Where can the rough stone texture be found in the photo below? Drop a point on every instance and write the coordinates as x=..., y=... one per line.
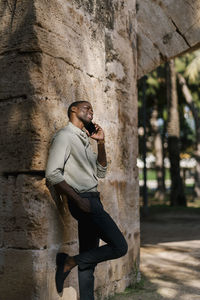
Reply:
x=33, y=226
x=53, y=53
x=166, y=28
x=30, y=275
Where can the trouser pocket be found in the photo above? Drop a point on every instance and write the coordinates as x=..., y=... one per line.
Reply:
x=96, y=205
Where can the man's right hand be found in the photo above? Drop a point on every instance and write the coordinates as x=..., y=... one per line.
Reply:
x=64, y=188
x=85, y=205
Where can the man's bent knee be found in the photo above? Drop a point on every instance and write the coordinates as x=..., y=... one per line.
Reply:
x=121, y=251
x=84, y=267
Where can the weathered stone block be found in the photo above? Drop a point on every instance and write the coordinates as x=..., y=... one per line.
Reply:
x=17, y=31
x=90, y=54
x=75, y=39
x=37, y=281
x=26, y=133
x=15, y=78
x=31, y=219
x=178, y=31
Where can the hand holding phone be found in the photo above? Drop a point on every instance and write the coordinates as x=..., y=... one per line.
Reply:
x=90, y=128
x=95, y=131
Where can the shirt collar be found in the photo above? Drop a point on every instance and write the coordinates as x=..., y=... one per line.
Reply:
x=81, y=133
x=75, y=128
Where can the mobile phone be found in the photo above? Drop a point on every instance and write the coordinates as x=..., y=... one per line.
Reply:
x=90, y=128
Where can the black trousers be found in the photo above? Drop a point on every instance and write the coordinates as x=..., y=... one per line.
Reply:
x=93, y=226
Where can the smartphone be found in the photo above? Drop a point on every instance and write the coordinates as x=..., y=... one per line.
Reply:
x=90, y=128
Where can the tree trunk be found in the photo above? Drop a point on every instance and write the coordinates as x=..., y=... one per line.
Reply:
x=189, y=100
x=164, y=152
x=177, y=196
x=160, y=193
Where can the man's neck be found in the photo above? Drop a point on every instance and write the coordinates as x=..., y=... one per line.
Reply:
x=77, y=123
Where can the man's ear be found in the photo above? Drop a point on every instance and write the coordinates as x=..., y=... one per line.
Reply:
x=74, y=109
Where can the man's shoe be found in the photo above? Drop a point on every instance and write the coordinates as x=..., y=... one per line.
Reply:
x=60, y=274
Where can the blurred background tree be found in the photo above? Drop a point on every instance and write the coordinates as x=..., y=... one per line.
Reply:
x=172, y=131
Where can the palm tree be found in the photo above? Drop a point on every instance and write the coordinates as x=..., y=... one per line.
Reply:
x=193, y=69
x=177, y=196
x=158, y=150
x=196, y=115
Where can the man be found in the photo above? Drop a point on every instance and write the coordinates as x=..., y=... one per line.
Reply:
x=73, y=169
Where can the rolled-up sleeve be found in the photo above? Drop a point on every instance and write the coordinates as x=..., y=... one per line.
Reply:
x=59, y=152
x=101, y=171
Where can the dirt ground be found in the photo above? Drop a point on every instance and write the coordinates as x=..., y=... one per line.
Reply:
x=170, y=256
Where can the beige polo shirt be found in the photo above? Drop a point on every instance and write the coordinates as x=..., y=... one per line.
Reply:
x=72, y=159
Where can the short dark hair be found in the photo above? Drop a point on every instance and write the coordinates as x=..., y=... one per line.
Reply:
x=76, y=103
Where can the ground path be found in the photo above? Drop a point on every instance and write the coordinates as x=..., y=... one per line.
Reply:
x=170, y=257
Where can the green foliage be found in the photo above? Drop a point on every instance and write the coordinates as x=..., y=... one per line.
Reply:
x=136, y=287
x=155, y=99
x=192, y=70
x=189, y=66
x=151, y=174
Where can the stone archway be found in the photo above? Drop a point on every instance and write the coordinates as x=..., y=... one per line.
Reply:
x=165, y=29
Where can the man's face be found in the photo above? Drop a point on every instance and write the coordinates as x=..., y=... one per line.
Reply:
x=85, y=112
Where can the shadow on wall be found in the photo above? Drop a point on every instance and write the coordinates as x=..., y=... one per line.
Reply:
x=29, y=218
x=41, y=72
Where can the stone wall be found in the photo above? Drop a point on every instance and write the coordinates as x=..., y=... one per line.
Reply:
x=53, y=53
x=166, y=28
